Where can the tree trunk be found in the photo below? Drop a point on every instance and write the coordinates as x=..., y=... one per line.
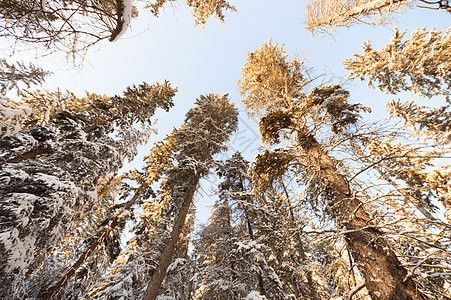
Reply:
x=261, y=284
x=385, y=277
x=39, y=150
x=166, y=258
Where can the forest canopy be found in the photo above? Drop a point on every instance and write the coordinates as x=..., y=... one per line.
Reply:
x=336, y=202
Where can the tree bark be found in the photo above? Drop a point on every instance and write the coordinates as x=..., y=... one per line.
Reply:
x=166, y=257
x=39, y=150
x=261, y=284
x=311, y=289
x=385, y=277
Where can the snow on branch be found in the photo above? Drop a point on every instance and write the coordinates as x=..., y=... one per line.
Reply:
x=326, y=14
x=11, y=114
x=124, y=13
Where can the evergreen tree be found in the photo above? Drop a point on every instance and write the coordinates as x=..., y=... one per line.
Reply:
x=420, y=64
x=415, y=168
x=92, y=235
x=327, y=14
x=201, y=9
x=213, y=120
x=12, y=115
x=13, y=74
x=232, y=252
x=281, y=226
x=390, y=70
x=53, y=165
x=14, y=112
x=75, y=25
x=178, y=282
x=274, y=87
x=220, y=273
x=175, y=165
x=71, y=26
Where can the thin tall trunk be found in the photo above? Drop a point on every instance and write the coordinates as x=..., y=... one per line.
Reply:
x=166, y=257
x=232, y=265
x=385, y=277
x=261, y=283
x=310, y=283
x=54, y=290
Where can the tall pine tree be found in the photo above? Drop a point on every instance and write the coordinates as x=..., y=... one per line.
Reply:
x=274, y=88
x=232, y=257
x=52, y=166
x=175, y=165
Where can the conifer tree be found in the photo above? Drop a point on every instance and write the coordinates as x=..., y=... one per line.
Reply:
x=325, y=15
x=93, y=243
x=420, y=64
x=74, y=26
x=13, y=112
x=219, y=274
x=235, y=256
x=274, y=87
x=52, y=166
x=209, y=126
x=281, y=226
x=175, y=165
x=179, y=279
x=201, y=9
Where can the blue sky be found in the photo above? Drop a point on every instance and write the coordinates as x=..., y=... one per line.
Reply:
x=200, y=61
